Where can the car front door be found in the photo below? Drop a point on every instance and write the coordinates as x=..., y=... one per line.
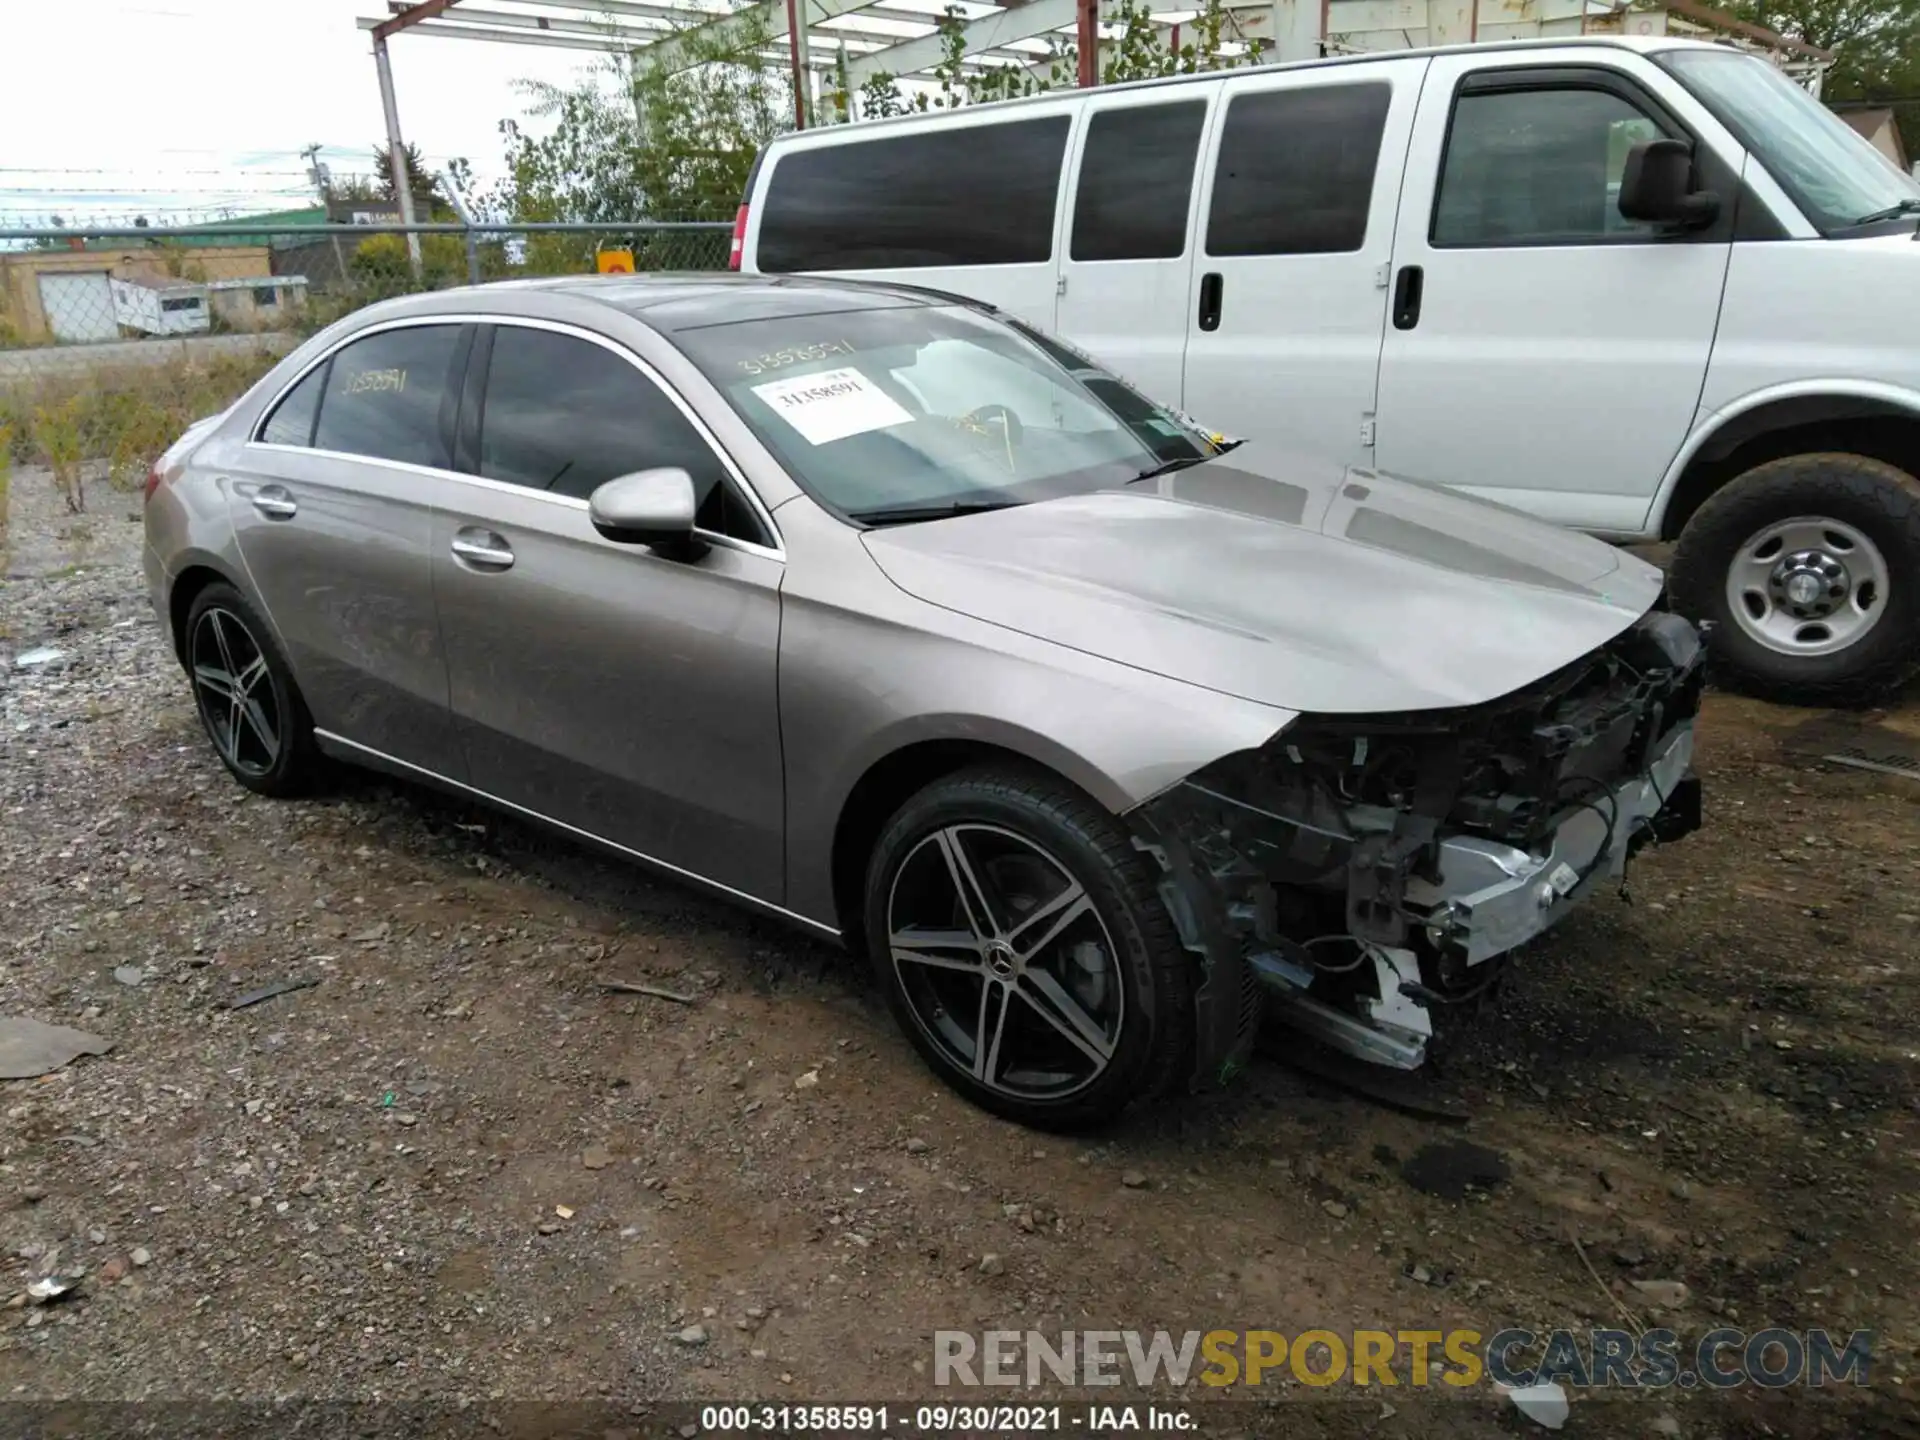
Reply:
x=622, y=692
x=1288, y=301
x=332, y=507
x=1544, y=351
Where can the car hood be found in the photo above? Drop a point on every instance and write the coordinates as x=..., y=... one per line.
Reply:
x=1305, y=587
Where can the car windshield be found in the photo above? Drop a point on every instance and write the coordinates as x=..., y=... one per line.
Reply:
x=911, y=412
x=1831, y=172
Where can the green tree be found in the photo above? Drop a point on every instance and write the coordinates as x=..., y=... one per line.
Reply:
x=1876, y=46
x=635, y=140
x=429, y=200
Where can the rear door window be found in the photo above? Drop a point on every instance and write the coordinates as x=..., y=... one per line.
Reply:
x=384, y=396
x=1295, y=172
x=1136, y=180
x=946, y=196
x=292, y=420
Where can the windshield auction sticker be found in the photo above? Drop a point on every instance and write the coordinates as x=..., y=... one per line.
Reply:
x=832, y=404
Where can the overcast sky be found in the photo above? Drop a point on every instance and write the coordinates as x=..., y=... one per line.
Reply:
x=206, y=104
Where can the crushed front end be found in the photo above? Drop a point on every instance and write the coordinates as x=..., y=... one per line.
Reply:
x=1357, y=871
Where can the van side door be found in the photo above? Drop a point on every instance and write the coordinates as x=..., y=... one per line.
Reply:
x=1289, y=299
x=1545, y=351
x=1127, y=259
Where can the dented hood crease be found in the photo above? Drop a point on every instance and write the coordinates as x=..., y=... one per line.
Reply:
x=1284, y=582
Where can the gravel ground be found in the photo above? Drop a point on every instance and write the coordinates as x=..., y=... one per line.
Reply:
x=455, y=1167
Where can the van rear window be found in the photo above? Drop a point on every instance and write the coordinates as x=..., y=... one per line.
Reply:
x=948, y=195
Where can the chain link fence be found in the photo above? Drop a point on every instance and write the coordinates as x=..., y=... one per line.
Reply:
x=113, y=341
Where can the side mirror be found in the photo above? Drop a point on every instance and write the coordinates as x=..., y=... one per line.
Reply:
x=1655, y=186
x=649, y=507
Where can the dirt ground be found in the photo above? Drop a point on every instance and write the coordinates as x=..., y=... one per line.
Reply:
x=455, y=1167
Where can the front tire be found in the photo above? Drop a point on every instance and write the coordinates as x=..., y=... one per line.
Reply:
x=1809, y=567
x=250, y=706
x=1025, y=951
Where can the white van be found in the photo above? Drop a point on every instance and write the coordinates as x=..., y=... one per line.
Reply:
x=1648, y=288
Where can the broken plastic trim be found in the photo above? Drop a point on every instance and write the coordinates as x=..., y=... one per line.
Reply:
x=1355, y=870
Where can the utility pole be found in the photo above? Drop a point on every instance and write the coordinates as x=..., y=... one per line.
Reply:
x=322, y=179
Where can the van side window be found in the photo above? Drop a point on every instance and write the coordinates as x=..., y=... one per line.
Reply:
x=952, y=195
x=1295, y=173
x=1136, y=178
x=1538, y=167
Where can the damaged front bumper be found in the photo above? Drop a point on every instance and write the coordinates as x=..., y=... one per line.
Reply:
x=1356, y=871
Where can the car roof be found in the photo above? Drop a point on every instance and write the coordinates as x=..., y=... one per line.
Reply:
x=676, y=302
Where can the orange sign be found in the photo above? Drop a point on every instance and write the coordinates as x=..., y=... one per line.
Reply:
x=614, y=262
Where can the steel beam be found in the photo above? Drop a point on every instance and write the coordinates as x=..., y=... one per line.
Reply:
x=1020, y=22
x=396, y=148
x=729, y=34
x=411, y=16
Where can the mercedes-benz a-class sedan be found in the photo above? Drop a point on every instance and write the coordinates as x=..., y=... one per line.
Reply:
x=876, y=610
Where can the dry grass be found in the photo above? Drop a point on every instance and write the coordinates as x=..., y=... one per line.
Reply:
x=114, y=423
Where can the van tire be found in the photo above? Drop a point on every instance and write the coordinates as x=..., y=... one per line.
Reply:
x=1857, y=522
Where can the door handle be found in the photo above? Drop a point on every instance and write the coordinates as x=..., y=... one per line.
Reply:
x=275, y=502
x=1407, y=290
x=1211, y=286
x=482, y=549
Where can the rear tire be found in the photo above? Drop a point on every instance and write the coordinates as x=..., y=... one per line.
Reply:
x=1056, y=992
x=1809, y=567
x=250, y=706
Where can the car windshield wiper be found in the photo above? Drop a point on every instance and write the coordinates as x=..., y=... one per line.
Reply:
x=913, y=514
x=1167, y=467
x=1909, y=206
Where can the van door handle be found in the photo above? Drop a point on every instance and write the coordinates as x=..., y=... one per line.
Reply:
x=1211, y=286
x=481, y=549
x=1407, y=290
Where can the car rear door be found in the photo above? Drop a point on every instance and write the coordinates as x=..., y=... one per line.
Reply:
x=625, y=694
x=1545, y=351
x=332, y=508
x=1127, y=267
x=1289, y=297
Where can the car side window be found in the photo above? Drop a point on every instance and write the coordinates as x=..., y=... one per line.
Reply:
x=1295, y=171
x=565, y=415
x=383, y=394
x=1538, y=167
x=291, y=422
x=1136, y=178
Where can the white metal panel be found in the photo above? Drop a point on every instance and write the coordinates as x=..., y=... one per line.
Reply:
x=1297, y=348
x=79, y=307
x=1131, y=315
x=1558, y=378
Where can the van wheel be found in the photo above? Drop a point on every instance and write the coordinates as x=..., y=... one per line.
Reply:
x=1809, y=568
x=1025, y=950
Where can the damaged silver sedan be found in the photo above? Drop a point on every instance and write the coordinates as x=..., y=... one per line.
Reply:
x=881, y=613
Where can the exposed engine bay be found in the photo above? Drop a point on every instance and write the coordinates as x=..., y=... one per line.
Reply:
x=1358, y=871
